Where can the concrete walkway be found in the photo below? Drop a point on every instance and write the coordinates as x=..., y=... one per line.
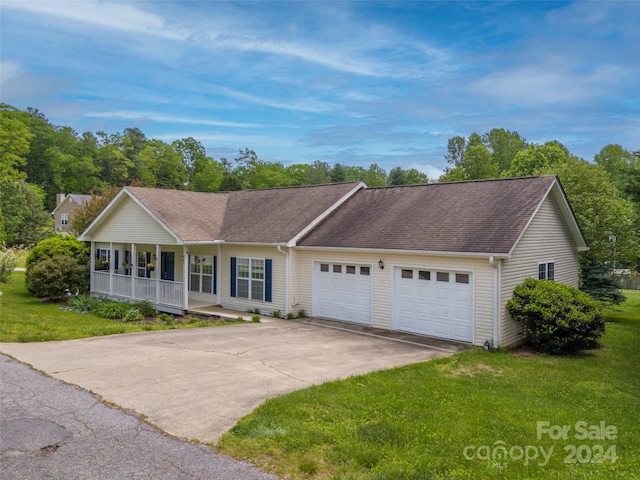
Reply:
x=197, y=383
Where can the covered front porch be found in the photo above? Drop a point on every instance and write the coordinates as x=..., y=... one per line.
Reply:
x=163, y=275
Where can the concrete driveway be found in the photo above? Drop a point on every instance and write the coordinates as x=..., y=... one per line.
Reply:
x=197, y=383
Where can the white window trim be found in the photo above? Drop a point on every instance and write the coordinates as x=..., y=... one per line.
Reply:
x=546, y=270
x=64, y=218
x=200, y=274
x=250, y=278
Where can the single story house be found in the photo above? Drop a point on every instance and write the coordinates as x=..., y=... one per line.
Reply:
x=440, y=260
x=66, y=205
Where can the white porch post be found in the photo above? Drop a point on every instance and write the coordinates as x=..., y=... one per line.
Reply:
x=185, y=276
x=92, y=265
x=158, y=271
x=134, y=269
x=218, y=274
x=111, y=260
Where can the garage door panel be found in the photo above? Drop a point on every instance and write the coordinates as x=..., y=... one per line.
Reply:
x=436, y=303
x=342, y=292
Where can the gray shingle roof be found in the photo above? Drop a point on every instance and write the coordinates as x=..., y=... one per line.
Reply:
x=257, y=216
x=471, y=217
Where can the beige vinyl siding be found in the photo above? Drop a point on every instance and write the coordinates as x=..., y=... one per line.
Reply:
x=480, y=269
x=278, y=278
x=130, y=223
x=547, y=239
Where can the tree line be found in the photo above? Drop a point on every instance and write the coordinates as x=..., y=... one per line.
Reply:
x=38, y=160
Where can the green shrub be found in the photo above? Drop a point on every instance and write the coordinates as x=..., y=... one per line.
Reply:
x=112, y=309
x=558, y=319
x=58, y=264
x=83, y=303
x=58, y=277
x=302, y=313
x=255, y=318
x=597, y=281
x=132, y=315
x=290, y=316
x=166, y=318
x=8, y=262
x=276, y=313
x=146, y=309
x=66, y=245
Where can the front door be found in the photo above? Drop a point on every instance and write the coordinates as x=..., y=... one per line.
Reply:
x=166, y=265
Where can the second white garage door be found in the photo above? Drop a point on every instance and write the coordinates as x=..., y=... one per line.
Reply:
x=342, y=291
x=433, y=302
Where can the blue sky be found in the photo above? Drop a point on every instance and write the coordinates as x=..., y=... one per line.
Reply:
x=349, y=82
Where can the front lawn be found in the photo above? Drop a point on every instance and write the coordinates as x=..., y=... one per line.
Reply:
x=24, y=318
x=473, y=415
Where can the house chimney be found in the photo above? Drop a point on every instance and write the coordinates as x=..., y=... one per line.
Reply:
x=59, y=198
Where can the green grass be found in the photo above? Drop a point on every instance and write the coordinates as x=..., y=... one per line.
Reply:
x=24, y=318
x=629, y=311
x=414, y=422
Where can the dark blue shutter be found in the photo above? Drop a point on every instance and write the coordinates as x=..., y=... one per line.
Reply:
x=147, y=271
x=267, y=279
x=233, y=276
x=116, y=264
x=215, y=275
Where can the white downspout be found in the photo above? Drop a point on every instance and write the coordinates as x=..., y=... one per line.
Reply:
x=286, y=280
x=496, y=301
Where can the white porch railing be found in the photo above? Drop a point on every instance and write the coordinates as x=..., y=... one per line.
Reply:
x=168, y=293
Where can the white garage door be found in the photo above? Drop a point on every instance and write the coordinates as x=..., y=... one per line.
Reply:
x=433, y=302
x=342, y=291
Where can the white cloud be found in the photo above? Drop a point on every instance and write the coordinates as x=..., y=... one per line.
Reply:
x=118, y=16
x=156, y=117
x=307, y=105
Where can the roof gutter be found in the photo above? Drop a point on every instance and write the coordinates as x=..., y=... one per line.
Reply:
x=438, y=253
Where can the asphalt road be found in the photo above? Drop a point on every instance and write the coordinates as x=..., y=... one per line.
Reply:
x=52, y=430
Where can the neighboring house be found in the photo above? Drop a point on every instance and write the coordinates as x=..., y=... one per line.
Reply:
x=65, y=206
x=440, y=259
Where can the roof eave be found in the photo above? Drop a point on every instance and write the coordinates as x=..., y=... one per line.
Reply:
x=440, y=253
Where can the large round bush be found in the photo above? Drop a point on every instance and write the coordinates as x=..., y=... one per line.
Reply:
x=57, y=265
x=56, y=277
x=66, y=245
x=558, y=319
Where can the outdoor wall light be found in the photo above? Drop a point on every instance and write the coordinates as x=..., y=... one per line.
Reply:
x=381, y=264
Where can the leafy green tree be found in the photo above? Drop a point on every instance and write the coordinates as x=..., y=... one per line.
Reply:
x=477, y=164
x=115, y=167
x=619, y=163
x=25, y=220
x=166, y=165
x=503, y=145
x=537, y=159
x=397, y=176
x=317, y=174
x=207, y=175
x=88, y=211
x=374, y=176
x=415, y=177
x=190, y=150
x=338, y=173
x=14, y=144
x=606, y=218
